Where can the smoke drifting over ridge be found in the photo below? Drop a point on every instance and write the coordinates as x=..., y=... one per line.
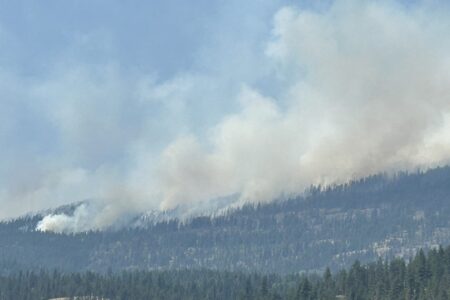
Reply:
x=365, y=88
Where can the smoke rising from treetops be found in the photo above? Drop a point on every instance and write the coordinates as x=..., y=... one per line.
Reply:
x=358, y=88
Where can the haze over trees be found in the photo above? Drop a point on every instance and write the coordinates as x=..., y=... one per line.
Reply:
x=424, y=277
x=375, y=217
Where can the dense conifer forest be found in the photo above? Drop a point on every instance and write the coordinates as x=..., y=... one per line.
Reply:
x=375, y=217
x=425, y=277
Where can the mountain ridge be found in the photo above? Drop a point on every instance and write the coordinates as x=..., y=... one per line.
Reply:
x=375, y=217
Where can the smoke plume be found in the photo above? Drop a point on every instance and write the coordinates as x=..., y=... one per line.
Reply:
x=357, y=88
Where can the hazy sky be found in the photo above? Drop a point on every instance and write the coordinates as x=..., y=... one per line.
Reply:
x=173, y=103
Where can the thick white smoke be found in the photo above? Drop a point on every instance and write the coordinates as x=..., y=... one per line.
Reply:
x=369, y=92
x=365, y=88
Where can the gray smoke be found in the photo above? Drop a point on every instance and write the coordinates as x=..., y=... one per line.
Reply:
x=365, y=88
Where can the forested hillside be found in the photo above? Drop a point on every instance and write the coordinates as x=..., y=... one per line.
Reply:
x=423, y=278
x=366, y=219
